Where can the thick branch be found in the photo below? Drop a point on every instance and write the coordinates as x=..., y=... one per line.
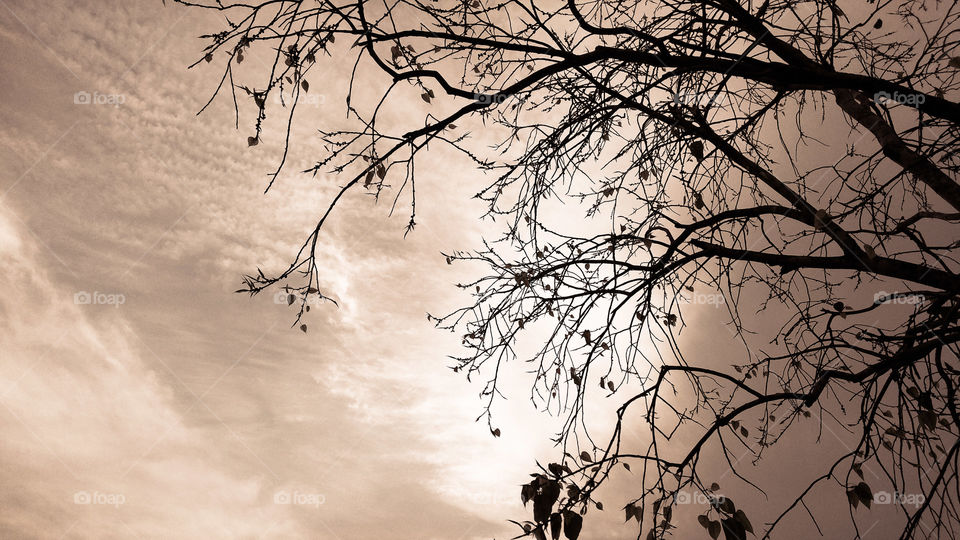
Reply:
x=931, y=277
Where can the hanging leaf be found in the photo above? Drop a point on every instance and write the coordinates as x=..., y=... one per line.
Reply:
x=878, y=24
x=586, y=457
x=928, y=419
x=629, y=510
x=727, y=505
x=863, y=492
x=555, y=523
x=925, y=400
x=544, y=500
x=303, y=328
x=733, y=530
x=741, y=517
x=696, y=148
x=527, y=492
x=572, y=523
x=291, y=299
x=305, y=85
x=252, y=141
x=714, y=529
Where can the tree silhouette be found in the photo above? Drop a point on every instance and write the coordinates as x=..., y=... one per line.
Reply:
x=794, y=162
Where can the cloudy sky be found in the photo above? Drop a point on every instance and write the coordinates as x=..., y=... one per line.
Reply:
x=173, y=406
x=141, y=398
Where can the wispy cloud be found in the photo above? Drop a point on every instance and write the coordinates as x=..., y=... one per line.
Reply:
x=185, y=409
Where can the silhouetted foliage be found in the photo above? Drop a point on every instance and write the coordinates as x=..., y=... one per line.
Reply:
x=789, y=161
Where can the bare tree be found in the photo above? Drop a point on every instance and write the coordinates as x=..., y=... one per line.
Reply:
x=799, y=157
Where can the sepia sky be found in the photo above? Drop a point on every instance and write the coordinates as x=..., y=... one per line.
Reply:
x=169, y=407
x=185, y=410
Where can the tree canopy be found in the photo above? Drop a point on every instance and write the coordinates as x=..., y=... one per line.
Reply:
x=794, y=163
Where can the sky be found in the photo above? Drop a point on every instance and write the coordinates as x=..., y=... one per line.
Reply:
x=140, y=397
x=168, y=406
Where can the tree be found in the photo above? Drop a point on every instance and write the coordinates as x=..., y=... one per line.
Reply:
x=795, y=160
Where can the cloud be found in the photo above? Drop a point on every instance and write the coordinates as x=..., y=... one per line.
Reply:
x=195, y=405
x=82, y=413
